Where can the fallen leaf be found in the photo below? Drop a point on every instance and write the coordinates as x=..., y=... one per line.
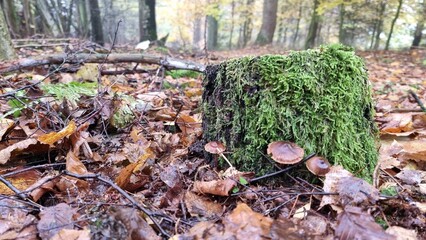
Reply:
x=136, y=226
x=215, y=187
x=356, y=191
x=353, y=223
x=331, y=185
x=74, y=165
x=402, y=233
x=199, y=206
x=52, y=137
x=71, y=234
x=53, y=219
x=6, y=153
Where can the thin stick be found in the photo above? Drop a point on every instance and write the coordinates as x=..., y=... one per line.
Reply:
x=419, y=102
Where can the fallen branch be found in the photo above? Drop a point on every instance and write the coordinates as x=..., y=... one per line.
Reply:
x=170, y=63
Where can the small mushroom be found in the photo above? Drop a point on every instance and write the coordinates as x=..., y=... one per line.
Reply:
x=216, y=147
x=285, y=152
x=318, y=165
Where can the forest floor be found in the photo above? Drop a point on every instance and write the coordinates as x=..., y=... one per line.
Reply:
x=80, y=160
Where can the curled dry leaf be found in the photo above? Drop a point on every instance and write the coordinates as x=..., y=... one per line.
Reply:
x=52, y=137
x=353, y=223
x=285, y=152
x=200, y=206
x=215, y=187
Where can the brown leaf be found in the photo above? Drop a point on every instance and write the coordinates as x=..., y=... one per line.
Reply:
x=74, y=165
x=215, y=187
x=52, y=137
x=353, y=223
x=331, y=184
x=72, y=234
x=53, y=219
x=48, y=186
x=356, y=191
x=188, y=124
x=6, y=153
x=199, y=206
x=15, y=222
x=21, y=181
x=136, y=226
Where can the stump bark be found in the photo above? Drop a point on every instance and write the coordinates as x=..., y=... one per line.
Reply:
x=320, y=99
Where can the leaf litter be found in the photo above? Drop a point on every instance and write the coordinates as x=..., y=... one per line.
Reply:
x=142, y=132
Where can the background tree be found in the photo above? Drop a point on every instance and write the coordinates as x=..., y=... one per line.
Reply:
x=269, y=22
x=313, y=26
x=420, y=26
x=398, y=10
x=95, y=19
x=6, y=49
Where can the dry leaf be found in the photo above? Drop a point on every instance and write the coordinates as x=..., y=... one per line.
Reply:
x=71, y=234
x=52, y=137
x=6, y=153
x=199, y=206
x=53, y=219
x=21, y=181
x=74, y=165
x=215, y=187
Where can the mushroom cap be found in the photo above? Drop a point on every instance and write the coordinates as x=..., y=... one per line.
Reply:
x=318, y=165
x=285, y=152
x=215, y=147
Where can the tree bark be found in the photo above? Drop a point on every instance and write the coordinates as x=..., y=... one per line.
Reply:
x=82, y=19
x=167, y=62
x=313, y=27
x=269, y=22
x=6, y=50
x=152, y=24
x=95, y=18
x=398, y=10
x=379, y=26
x=420, y=26
x=142, y=21
x=212, y=31
x=247, y=27
x=296, y=34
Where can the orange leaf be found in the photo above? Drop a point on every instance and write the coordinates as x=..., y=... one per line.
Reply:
x=52, y=137
x=74, y=165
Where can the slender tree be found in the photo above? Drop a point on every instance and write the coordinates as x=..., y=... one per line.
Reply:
x=212, y=32
x=95, y=18
x=6, y=49
x=269, y=22
x=379, y=23
x=313, y=26
x=398, y=10
x=420, y=26
x=247, y=23
x=151, y=24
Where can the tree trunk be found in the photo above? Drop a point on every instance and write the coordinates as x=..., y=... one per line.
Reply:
x=196, y=34
x=143, y=35
x=342, y=32
x=6, y=49
x=151, y=24
x=296, y=34
x=393, y=24
x=82, y=19
x=420, y=26
x=11, y=18
x=95, y=18
x=28, y=18
x=247, y=27
x=313, y=27
x=212, y=29
x=379, y=27
x=232, y=24
x=269, y=21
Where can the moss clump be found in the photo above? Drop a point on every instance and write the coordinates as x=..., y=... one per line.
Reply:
x=320, y=99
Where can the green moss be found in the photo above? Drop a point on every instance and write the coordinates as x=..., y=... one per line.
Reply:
x=320, y=99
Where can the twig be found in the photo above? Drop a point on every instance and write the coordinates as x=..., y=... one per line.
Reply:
x=419, y=102
x=282, y=170
x=122, y=192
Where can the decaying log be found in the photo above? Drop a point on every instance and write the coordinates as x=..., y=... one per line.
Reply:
x=169, y=63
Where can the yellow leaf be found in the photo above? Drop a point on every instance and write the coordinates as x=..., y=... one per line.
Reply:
x=52, y=137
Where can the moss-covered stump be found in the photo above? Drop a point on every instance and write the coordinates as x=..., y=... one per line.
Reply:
x=319, y=99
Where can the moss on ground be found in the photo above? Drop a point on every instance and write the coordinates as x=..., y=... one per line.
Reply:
x=320, y=99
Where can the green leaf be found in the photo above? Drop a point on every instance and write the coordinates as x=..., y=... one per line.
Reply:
x=243, y=181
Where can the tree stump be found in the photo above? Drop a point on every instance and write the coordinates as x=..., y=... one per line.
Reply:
x=320, y=99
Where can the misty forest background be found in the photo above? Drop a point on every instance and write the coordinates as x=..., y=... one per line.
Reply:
x=224, y=24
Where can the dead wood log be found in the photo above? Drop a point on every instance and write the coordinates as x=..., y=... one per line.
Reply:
x=169, y=63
